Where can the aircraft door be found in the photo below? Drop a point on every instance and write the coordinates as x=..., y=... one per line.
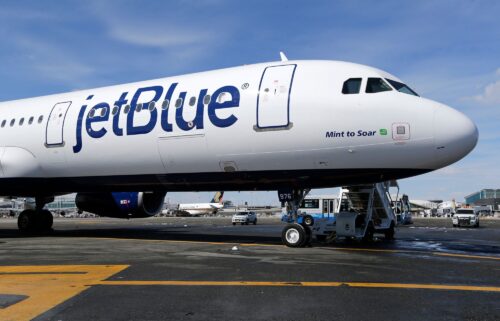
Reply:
x=55, y=125
x=273, y=102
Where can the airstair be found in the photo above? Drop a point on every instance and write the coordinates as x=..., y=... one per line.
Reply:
x=363, y=210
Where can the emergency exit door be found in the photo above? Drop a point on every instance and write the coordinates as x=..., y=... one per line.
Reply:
x=273, y=102
x=55, y=125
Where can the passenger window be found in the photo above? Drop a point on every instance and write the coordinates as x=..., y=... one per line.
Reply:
x=92, y=113
x=151, y=106
x=3, y=123
x=138, y=107
x=104, y=111
x=12, y=122
x=114, y=111
x=376, y=85
x=165, y=104
x=40, y=119
x=223, y=97
x=192, y=101
x=21, y=121
x=206, y=99
x=178, y=102
x=126, y=109
x=351, y=86
x=31, y=120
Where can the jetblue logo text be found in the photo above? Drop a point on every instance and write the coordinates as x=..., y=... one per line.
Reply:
x=97, y=120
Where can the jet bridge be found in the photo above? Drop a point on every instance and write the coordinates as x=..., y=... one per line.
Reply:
x=363, y=210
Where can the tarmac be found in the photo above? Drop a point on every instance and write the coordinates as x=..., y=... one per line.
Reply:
x=208, y=269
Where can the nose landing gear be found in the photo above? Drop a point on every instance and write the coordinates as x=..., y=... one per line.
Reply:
x=295, y=234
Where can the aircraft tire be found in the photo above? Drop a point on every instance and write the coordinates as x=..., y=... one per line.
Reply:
x=46, y=220
x=308, y=240
x=26, y=221
x=294, y=235
x=255, y=222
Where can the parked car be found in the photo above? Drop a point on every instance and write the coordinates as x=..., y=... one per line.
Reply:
x=465, y=217
x=245, y=218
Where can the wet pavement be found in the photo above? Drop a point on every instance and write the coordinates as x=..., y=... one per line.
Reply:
x=208, y=269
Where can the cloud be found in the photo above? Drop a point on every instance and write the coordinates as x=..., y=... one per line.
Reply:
x=491, y=93
x=157, y=36
x=162, y=27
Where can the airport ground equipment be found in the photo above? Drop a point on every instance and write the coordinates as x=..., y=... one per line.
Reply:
x=402, y=207
x=465, y=217
x=363, y=210
x=244, y=218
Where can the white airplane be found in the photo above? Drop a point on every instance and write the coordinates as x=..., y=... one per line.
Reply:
x=204, y=208
x=285, y=125
x=424, y=204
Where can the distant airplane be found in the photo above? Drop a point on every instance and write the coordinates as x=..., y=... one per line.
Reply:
x=204, y=208
x=423, y=204
x=291, y=125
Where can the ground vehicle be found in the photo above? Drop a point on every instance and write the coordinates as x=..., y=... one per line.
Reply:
x=320, y=205
x=465, y=217
x=245, y=218
x=402, y=208
x=362, y=210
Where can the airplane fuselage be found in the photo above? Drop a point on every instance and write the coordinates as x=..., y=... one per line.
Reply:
x=257, y=127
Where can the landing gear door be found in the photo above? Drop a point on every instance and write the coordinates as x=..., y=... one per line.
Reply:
x=55, y=125
x=273, y=102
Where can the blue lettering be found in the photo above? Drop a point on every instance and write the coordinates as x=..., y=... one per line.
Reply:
x=97, y=118
x=78, y=146
x=116, y=118
x=223, y=98
x=164, y=114
x=197, y=122
x=144, y=129
x=215, y=105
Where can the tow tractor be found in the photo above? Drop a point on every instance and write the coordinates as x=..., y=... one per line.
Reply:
x=362, y=211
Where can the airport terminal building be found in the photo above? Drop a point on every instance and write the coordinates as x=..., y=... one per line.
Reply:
x=485, y=197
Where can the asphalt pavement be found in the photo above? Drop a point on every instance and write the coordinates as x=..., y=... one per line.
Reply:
x=208, y=269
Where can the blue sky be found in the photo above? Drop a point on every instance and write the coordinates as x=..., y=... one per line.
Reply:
x=448, y=51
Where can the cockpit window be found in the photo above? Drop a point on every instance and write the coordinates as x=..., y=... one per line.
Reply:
x=376, y=85
x=351, y=86
x=401, y=87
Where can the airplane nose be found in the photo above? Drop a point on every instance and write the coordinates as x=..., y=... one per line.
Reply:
x=455, y=135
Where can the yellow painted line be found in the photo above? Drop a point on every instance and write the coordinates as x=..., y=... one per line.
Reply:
x=468, y=256
x=261, y=245
x=47, y=286
x=309, y=284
